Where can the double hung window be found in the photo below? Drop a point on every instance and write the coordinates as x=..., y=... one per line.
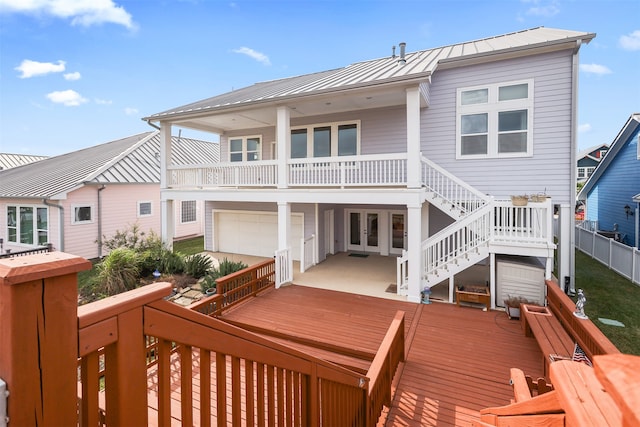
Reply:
x=495, y=120
x=28, y=224
x=244, y=149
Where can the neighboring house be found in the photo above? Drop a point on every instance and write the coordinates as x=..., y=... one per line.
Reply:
x=612, y=192
x=71, y=200
x=588, y=160
x=8, y=161
x=414, y=156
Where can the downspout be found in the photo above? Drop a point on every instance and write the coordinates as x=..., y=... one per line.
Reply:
x=60, y=220
x=152, y=125
x=100, y=221
x=574, y=145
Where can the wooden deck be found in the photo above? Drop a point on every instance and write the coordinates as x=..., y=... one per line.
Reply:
x=457, y=358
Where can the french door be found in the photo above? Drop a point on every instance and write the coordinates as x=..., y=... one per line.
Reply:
x=398, y=232
x=363, y=231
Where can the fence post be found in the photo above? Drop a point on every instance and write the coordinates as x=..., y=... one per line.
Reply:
x=39, y=337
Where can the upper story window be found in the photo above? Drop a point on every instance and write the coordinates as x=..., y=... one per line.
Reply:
x=581, y=173
x=495, y=120
x=82, y=215
x=144, y=209
x=188, y=211
x=28, y=224
x=244, y=149
x=326, y=140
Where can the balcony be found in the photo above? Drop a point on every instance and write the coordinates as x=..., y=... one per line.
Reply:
x=339, y=172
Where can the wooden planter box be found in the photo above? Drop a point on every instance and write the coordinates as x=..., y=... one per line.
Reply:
x=474, y=294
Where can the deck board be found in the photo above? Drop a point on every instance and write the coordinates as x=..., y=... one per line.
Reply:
x=457, y=358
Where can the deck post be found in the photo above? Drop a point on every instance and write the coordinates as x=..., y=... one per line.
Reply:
x=38, y=337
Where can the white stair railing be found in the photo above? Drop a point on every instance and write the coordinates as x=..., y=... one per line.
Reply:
x=402, y=274
x=453, y=244
x=284, y=267
x=308, y=255
x=451, y=190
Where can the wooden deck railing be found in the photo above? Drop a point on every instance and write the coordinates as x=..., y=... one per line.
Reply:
x=583, y=331
x=236, y=287
x=144, y=360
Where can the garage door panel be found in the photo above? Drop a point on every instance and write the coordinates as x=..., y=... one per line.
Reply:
x=254, y=233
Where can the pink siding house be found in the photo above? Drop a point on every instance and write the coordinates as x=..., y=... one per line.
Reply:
x=72, y=200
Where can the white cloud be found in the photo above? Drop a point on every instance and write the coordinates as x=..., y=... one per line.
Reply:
x=584, y=128
x=130, y=111
x=595, y=69
x=260, y=57
x=69, y=98
x=30, y=68
x=631, y=41
x=81, y=12
x=103, y=101
x=540, y=9
x=72, y=76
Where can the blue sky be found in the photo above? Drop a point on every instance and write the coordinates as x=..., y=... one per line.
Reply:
x=75, y=73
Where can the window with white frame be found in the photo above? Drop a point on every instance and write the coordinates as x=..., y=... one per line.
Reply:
x=581, y=173
x=28, y=224
x=82, y=214
x=325, y=140
x=144, y=209
x=188, y=211
x=244, y=149
x=495, y=120
x=590, y=170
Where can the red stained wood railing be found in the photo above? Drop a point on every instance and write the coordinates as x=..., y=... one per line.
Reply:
x=583, y=331
x=236, y=287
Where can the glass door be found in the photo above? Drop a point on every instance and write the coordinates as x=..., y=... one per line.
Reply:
x=398, y=232
x=363, y=232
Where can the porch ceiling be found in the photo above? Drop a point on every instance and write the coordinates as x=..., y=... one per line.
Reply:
x=229, y=118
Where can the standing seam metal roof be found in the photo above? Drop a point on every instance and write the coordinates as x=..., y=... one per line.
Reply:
x=377, y=71
x=131, y=160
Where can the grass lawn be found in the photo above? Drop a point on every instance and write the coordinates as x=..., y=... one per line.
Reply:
x=189, y=246
x=610, y=296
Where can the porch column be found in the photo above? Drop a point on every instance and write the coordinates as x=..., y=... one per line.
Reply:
x=566, y=257
x=283, y=144
x=167, y=217
x=413, y=138
x=414, y=242
x=165, y=153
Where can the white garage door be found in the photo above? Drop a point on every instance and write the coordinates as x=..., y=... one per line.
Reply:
x=254, y=233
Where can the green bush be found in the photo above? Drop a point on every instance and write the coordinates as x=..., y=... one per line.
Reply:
x=118, y=272
x=197, y=265
x=171, y=262
x=224, y=268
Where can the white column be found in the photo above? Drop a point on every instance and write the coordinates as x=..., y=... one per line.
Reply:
x=165, y=153
x=168, y=221
x=414, y=242
x=413, y=138
x=284, y=232
x=565, y=247
x=492, y=279
x=283, y=144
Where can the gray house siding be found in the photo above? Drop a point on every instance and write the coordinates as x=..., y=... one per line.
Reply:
x=550, y=167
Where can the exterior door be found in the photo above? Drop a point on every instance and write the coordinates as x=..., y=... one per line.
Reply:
x=363, y=231
x=398, y=232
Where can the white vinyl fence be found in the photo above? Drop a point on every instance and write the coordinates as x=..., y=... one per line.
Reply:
x=619, y=257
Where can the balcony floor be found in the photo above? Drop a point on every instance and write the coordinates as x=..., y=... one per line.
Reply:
x=457, y=358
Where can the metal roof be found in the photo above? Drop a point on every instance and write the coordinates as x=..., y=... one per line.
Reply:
x=8, y=161
x=131, y=160
x=420, y=64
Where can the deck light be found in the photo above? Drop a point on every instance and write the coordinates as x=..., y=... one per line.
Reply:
x=628, y=211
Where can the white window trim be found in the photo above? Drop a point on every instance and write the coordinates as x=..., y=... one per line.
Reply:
x=244, y=147
x=181, y=213
x=334, y=135
x=492, y=108
x=73, y=214
x=139, y=215
x=35, y=224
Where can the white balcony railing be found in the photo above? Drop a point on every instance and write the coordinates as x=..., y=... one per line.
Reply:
x=344, y=171
x=528, y=224
x=247, y=174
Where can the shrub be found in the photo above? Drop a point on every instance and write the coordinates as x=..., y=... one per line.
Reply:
x=118, y=272
x=224, y=268
x=197, y=265
x=171, y=262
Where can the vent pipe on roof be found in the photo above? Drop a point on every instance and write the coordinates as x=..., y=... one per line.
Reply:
x=402, y=59
x=393, y=52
